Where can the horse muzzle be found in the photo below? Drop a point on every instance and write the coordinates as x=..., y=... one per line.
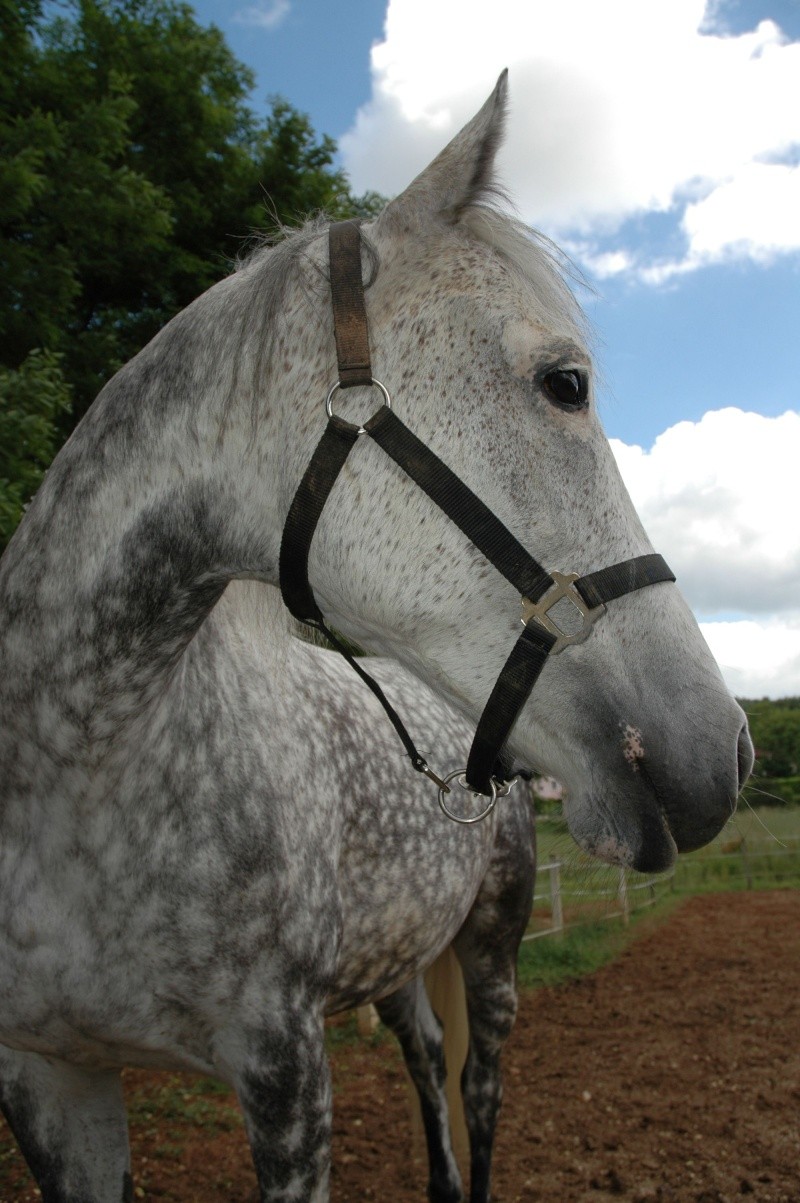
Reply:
x=653, y=815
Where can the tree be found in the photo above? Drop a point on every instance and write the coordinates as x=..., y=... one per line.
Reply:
x=775, y=729
x=131, y=172
x=31, y=401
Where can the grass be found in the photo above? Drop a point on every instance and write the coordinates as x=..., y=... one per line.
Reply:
x=342, y=1032
x=177, y=1100
x=582, y=949
x=758, y=849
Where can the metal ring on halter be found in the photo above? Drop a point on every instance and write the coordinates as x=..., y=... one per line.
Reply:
x=460, y=776
x=329, y=401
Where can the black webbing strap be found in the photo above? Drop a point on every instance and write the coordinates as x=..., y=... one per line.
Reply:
x=301, y=522
x=529, y=655
x=298, y=596
x=510, y=693
x=609, y=583
x=460, y=504
x=488, y=759
x=354, y=368
x=514, y=562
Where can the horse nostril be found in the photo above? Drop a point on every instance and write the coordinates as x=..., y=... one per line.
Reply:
x=744, y=755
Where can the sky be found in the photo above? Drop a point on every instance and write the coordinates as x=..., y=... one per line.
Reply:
x=658, y=144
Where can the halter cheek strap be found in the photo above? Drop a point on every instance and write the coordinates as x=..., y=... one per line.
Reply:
x=487, y=767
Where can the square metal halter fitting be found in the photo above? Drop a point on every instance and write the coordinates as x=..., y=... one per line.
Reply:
x=563, y=590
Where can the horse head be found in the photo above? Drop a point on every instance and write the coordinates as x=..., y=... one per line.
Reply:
x=483, y=349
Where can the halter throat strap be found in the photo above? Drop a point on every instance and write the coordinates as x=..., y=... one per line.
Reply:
x=488, y=764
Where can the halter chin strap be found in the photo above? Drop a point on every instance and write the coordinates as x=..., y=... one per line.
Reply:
x=542, y=636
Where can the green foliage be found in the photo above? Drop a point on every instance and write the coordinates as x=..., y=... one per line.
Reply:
x=297, y=170
x=775, y=728
x=774, y=791
x=576, y=952
x=132, y=171
x=31, y=402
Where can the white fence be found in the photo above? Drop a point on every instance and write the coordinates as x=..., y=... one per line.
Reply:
x=576, y=893
x=616, y=896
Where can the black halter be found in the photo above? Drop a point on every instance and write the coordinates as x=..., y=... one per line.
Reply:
x=487, y=767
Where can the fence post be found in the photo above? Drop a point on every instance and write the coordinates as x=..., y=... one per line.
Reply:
x=366, y=1019
x=556, y=908
x=748, y=875
x=622, y=894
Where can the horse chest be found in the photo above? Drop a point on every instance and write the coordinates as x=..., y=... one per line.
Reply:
x=399, y=910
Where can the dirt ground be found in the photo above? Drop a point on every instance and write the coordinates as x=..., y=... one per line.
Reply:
x=671, y=1075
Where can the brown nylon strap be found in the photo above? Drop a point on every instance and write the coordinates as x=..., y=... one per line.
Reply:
x=349, y=315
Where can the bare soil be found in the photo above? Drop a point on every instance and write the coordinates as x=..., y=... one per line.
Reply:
x=671, y=1075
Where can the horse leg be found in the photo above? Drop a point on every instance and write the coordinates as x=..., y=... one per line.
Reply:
x=409, y=1015
x=282, y=1079
x=71, y=1126
x=491, y=1006
x=487, y=947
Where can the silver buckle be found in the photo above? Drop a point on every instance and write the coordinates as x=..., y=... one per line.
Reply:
x=563, y=589
x=387, y=401
x=460, y=775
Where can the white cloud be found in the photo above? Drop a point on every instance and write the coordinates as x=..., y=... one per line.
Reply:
x=757, y=659
x=760, y=207
x=720, y=499
x=267, y=15
x=601, y=264
x=618, y=108
x=755, y=215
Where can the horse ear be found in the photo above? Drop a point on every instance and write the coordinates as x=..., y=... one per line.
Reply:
x=463, y=172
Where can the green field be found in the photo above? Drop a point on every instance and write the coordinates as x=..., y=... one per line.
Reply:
x=760, y=846
x=758, y=849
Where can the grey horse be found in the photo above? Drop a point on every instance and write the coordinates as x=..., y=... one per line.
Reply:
x=182, y=881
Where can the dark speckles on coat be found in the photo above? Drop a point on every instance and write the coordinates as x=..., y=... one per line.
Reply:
x=209, y=833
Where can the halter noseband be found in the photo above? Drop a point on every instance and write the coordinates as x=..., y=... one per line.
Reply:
x=488, y=767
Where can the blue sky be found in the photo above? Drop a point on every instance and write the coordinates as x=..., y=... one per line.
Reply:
x=659, y=143
x=726, y=336
x=316, y=53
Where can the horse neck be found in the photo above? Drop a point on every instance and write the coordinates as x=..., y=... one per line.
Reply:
x=161, y=497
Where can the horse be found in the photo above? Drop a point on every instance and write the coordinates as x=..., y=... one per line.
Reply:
x=486, y=944
x=380, y=802
x=160, y=907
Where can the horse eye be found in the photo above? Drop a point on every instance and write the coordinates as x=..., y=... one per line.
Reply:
x=566, y=386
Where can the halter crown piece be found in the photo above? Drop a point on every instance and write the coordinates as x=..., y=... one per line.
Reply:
x=488, y=765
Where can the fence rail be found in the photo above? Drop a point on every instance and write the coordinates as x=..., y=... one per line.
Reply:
x=623, y=896
x=576, y=894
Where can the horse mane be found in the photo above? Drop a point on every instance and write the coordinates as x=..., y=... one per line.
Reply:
x=272, y=255
x=272, y=259
x=551, y=272
x=263, y=270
